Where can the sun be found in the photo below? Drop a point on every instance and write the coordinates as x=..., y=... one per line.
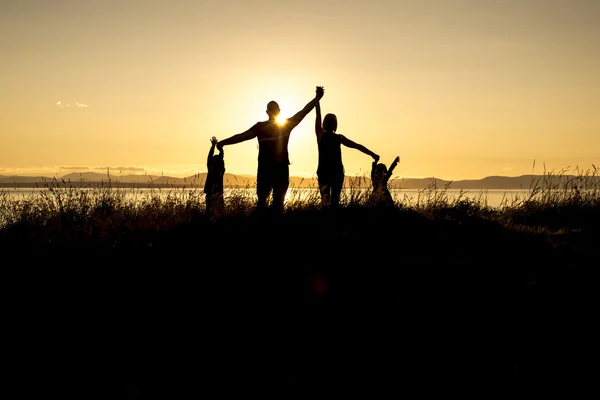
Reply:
x=280, y=119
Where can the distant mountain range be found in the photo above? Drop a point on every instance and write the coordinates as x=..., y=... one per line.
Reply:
x=92, y=179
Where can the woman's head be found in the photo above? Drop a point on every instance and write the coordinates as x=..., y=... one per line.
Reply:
x=330, y=123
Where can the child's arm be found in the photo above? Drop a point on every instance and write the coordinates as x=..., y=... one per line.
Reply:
x=373, y=169
x=394, y=163
x=213, y=143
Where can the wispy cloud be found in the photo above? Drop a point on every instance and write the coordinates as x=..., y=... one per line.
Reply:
x=122, y=169
x=75, y=168
x=506, y=169
x=60, y=104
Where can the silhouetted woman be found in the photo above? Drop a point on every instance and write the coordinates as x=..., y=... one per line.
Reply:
x=330, y=171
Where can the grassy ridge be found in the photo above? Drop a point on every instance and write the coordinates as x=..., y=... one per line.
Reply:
x=107, y=218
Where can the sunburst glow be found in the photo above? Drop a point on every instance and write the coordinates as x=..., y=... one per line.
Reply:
x=280, y=119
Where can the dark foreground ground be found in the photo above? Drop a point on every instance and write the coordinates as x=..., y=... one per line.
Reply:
x=408, y=306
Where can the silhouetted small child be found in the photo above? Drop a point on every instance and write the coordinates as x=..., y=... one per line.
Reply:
x=213, y=187
x=380, y=175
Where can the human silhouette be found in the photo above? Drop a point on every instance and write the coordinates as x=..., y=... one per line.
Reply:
x=213, y=187
x=330, y=171
x=380, y=175
x=273, y=172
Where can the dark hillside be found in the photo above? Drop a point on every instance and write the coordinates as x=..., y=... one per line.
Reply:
x=312, y=304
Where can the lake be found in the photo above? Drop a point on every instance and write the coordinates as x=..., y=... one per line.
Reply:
x=492, y=197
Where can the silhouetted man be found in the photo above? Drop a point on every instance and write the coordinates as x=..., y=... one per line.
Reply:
x=273, y=173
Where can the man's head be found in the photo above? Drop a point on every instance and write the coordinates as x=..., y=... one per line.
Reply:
x=330, y=123
x=273, y=109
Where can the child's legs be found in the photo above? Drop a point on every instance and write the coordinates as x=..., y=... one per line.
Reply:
x=209, y=202
x=388, y=198
x=219, y=202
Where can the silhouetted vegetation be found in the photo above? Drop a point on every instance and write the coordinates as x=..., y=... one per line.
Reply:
x=107, y=217
x=444, y=288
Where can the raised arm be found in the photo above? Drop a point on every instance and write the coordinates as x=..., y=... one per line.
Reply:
x=394, y=163
x=299, y=116
x=318, y=122
x=353, y=145
x=373, y=169
x=240, y=137
x=213, y=143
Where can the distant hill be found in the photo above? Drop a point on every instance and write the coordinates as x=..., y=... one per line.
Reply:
x=499, y=182
x=92, y=179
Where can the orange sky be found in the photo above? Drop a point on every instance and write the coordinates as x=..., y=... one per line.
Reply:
x=457, y=88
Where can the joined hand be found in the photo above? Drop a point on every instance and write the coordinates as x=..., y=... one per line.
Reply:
x=320, y=92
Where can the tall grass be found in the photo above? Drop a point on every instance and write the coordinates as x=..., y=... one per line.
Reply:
x=558, y=199
x=61, y=208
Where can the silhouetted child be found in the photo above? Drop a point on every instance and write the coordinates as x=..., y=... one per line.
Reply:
x=213, y=187
x=380, y=175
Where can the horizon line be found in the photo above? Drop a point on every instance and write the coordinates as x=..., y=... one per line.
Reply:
x=297, y=176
